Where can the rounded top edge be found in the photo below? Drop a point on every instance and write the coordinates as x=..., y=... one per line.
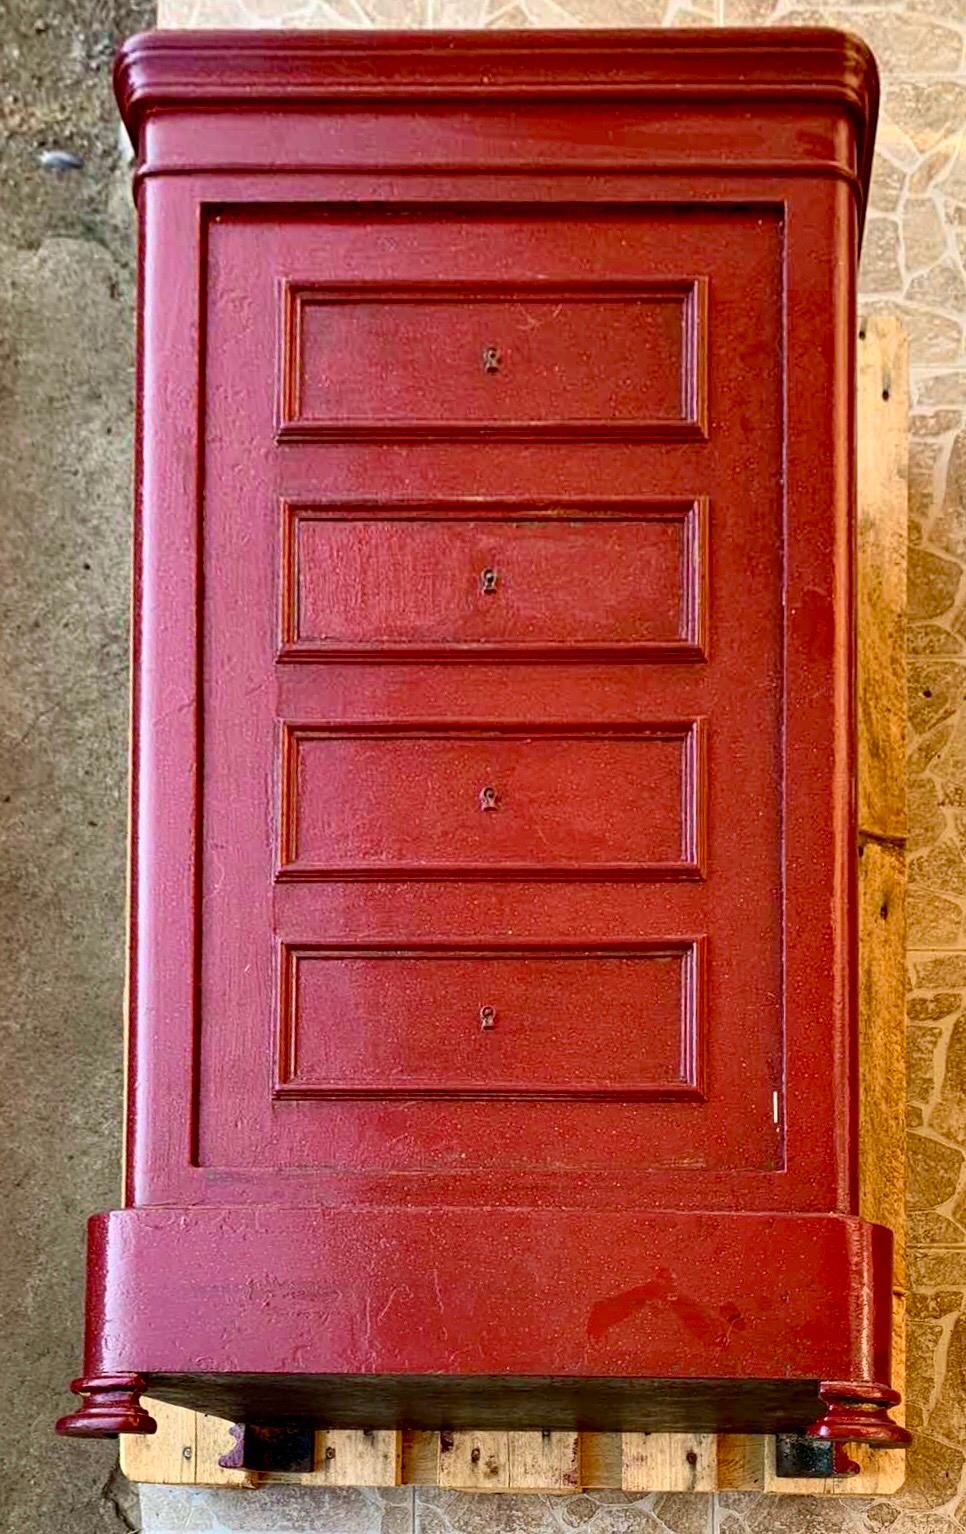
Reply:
x=191, y=69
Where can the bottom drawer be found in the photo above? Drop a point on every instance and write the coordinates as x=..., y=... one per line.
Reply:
x=601, y=1022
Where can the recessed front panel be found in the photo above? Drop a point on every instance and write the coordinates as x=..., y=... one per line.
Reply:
x=476, y=712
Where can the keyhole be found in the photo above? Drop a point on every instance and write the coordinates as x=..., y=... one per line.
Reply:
x=488, y=798
x=488, y=579
x=491, y=359
x=487, y=1018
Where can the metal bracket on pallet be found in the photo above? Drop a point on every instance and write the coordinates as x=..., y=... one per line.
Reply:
x=798, y=1457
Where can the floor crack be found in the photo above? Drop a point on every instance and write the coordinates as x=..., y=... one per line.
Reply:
x=119, y=1496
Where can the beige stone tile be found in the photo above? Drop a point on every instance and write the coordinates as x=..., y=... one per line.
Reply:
x=290, y=1510
x=924, y=1338
x=934, y=1472
x=933, y=921
x=948, y=1118
x=881, y=271
x=173, y=1509
x=926, y=819
x=928, y=113
x=795, y=1515
x=888, y=184
x=922, y=1046
x=933, y=425
x=954, y=181
x=948, y=1418
x=926, y=1523
x=941, y=287
x=935, y=693
x=947, y=530
x=944, y=972
x=926, y=639
x=927, y=749
x=927, y=1229
x=934, y=337
x=461, y=13
x=924, y=237
x=934, y=1006
x=934, y=1172
x=934, y=582
x=946, y=387
x=941, y=869
x=614, y=1512
x=908, y=43
x=933, y=169
x=938, y=1267
x=936, y=1306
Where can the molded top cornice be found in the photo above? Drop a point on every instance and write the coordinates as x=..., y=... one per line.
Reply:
x=256, y=69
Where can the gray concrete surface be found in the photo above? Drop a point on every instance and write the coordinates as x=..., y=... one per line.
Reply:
x=66, y=295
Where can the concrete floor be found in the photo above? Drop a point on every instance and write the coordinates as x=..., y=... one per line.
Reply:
x=66, y=293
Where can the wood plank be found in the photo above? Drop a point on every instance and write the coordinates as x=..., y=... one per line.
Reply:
x=669, y=1462
x=547, y=1461
x=882, y=489
x=600, y=1460
x=420, y=1457
x=882, y=1042
x=356, y=1458
x=183, y=1452
x=167, y=1456
x=883, y=403
x=474, y=1461
x=741, y=1462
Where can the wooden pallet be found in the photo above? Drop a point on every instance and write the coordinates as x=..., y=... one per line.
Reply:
x=187, y=1446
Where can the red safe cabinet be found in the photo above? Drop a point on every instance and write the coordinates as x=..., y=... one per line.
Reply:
x=492, y=1046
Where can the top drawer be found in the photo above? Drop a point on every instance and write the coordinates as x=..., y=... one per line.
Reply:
x=378, y=360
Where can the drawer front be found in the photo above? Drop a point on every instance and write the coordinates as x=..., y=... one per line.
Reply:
x=507, y=802
x=462, y=581
x=507, y=359
x=518, y=1023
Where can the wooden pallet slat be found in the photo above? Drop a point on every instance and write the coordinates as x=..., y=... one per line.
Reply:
x=548, y=1461
x=356, y=1458
x=669, y=1462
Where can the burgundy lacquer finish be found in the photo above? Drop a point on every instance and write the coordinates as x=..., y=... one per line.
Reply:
x=492, y=953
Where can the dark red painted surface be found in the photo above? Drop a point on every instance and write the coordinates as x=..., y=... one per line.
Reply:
x=492, y=951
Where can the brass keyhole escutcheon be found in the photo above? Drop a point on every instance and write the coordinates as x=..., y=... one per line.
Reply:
x=491, y=359
x=487, y=1018
x=488, y=580
x=488, y=799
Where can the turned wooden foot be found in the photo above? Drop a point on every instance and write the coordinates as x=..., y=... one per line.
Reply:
x=112, y=1405
x=859, y=1413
